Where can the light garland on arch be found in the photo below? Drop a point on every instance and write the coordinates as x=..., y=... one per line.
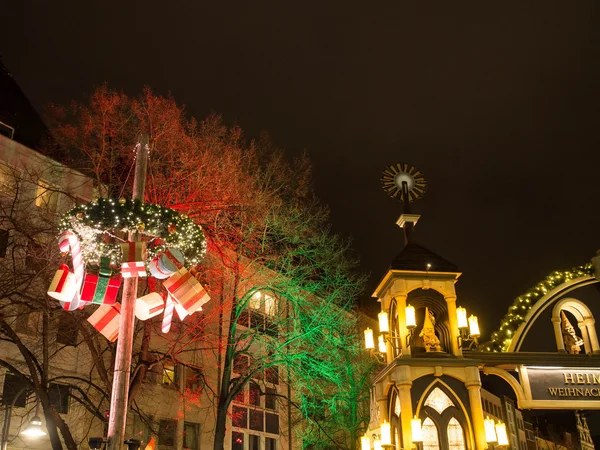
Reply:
x=103, y=223
x=501, y=339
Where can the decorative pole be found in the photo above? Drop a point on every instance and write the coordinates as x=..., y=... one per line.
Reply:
x=120, y=387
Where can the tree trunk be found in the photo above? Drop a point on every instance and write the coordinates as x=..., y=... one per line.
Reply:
x=220, y=426
x=54, y=421
x=52, y=432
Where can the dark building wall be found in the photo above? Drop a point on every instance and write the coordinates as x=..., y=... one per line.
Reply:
x=18, y=113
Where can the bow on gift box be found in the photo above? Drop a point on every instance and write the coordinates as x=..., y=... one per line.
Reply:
x=100, y=284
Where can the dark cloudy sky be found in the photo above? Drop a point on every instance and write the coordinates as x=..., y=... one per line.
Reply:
x=496, y=102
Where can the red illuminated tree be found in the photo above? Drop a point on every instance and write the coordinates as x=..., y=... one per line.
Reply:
x=268, y=235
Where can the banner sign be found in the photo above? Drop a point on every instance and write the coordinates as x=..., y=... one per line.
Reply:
x=563, y=383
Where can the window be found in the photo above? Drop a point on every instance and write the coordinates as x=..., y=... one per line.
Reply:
x=168, y=377
x=438, y=400
x=257, y=420
x=270, y=306
x=66, y=332
x=8, y=180
x=270, y=398
x=430, y=435
x=239, y=416
x=253, y=442
x=272, y=374
x=240, y=364
x=270, y=444
x=193, y=378
x=456, y=438
x=166, y=432
x=237, y=440
x=45, y=197
x=254, y=391
x=59, y=397
x=262, y=308
x=7, y=130
x=15, y=386
x=272, y=423
x=3, y=242
x=190, y=436
x=241, y=397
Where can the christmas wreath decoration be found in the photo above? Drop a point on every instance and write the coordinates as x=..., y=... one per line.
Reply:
x=104, y=223
x=96, y=236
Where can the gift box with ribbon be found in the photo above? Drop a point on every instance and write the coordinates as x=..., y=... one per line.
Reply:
x=63, y=286
x=186, y=290
x=149, y=305
x=100, y=285
x=106, y=320
x=132, y=263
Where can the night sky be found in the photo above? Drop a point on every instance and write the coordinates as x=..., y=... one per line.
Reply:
x=498, y=105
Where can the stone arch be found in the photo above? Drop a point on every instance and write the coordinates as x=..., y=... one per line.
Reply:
x=585, y=322
x=511, y=380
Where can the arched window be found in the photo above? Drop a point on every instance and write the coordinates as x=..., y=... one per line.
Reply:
x=443, y=421
x=438, y=400
x=456, y=436
x=431, y=439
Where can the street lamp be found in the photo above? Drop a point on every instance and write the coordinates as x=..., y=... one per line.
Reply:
x=501, y=433
x=369, y=342
x=386, y=434
x=468, y=329
x=416, y=431
x=365, y=442
x=34, y=429
x=495, y=433
x=490, y=430
x=386, y=335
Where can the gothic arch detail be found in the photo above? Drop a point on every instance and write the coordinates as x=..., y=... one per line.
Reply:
x=444, y=418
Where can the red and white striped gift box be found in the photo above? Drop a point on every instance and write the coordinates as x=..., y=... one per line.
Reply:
x=149, y=305
x=188, y=291
x=106, y=320
x=132, y=263
x=63, y=285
